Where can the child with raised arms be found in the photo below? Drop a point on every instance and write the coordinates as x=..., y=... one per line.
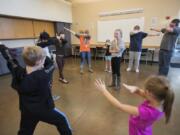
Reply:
x=85, y=50
x=158, y=102
x=135, y=48
x=33, y=85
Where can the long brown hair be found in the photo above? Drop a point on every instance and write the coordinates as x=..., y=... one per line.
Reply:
x=159, y=86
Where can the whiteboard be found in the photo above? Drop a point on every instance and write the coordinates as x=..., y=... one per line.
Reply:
x=105, y=29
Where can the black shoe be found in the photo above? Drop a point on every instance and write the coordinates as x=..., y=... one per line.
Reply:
x=113, y=84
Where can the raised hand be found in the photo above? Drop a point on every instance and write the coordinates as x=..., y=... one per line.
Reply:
x=3, y=47
x=130, y=88
x=70, y=30
x=100, y=85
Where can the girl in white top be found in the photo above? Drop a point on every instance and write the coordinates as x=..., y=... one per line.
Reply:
x=117, y=48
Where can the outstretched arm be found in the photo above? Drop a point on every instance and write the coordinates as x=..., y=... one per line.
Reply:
x=7, y=56
x=133, y=110
x=72, y=32
x=135, y=89
x=157, y=30
x=153, y=35
x=16, y=70
x=76, y=34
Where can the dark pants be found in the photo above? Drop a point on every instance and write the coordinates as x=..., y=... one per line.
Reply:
x=115, y=64
x=164, y=62
x=55, y=117
x=60, y=62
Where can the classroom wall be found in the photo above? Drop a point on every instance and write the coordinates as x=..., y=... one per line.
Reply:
x=85, y=15
x=54, y=10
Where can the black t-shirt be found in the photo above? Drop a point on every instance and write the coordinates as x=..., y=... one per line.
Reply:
x=60, y=46
x=107, y=50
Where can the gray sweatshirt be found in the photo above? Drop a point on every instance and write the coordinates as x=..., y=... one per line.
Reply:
x=169, y=39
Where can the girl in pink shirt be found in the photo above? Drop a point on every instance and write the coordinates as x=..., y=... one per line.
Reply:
x=159, y=99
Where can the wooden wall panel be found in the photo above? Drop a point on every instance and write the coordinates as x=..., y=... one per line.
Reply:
x=15, y=28
x=40, y=26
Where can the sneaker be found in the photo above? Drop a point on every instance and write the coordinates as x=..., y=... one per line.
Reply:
x=63, y=81
x=109, y=71
x=55, y=97
x=137, y=70
x=90, y=70
x=128, y=69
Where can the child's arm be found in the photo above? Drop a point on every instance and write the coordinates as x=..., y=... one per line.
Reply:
x=135, y=89
x=157, y=30
x=122, y=47
x=114, y=48
x=123, y=107
x=7, y=56
x=49, y=66
x=153, y=35
x=72, y=32
x=16, y=70
x=45, y=44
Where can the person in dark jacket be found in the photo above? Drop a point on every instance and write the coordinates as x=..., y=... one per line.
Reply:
x=60, y=45
x=44, y=42
x=33, y=85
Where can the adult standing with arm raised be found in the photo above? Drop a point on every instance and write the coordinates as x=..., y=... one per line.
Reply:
x=167, y=46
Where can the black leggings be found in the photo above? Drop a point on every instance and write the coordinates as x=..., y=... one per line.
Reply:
x=55, y=117
x=60, y=62
x=115, y=64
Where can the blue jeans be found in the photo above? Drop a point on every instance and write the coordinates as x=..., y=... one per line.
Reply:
x=164, y=62
x=84, y=56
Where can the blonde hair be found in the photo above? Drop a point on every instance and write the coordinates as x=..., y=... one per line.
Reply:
x=120, y=32
x=32, y=55
x=159, y=86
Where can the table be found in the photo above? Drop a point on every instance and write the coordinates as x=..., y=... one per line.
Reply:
x=94, y=46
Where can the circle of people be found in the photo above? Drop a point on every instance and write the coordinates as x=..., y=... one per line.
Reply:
x=33, y=83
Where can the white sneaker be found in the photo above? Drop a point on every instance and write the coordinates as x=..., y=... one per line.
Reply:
x=90, y=70
x=128, y=69
x=137, y=70
x=109, y=71
x=106, y=70
x=55, y=97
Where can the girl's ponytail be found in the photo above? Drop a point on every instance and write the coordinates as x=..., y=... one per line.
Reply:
x=160, y=87
x=167, y=105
